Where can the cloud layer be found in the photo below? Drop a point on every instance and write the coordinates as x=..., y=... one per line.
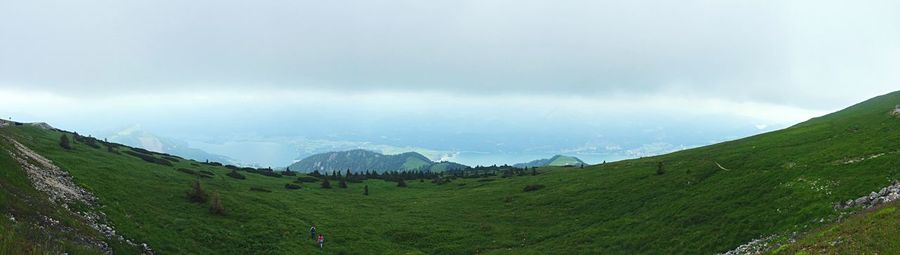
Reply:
x=745, y=51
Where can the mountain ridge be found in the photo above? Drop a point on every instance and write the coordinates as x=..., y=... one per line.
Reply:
x=556, y=160
x=361, y=160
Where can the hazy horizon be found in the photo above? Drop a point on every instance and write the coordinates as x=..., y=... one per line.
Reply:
x=475, y=82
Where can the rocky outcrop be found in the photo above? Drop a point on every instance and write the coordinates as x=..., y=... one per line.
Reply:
x=886, y=194
x=756, y=246
x=62, y=190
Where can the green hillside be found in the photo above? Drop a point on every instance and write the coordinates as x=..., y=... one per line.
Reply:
x=872, y=232
x=698, y=201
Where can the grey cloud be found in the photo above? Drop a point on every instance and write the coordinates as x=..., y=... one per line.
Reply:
x=731, y=49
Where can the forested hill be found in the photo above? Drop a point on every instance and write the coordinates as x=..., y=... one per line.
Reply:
x=364, y=160
x=558, y=160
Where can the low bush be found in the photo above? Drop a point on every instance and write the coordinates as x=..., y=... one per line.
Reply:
x=194, y=173
x=90, y=141
x=326, y=184
x=207, y=173
x=307, y=179
x=236, y=175
x=215, y=207
x=533, y=187
x=197, y=195
x=149, y=158
x=291, y=186
x=169, y=158
x=259, y=189
x=64, y=142
x=440, y=181
x=142, y=151
x=187, y=171
x=268, y=173
x=111, y=149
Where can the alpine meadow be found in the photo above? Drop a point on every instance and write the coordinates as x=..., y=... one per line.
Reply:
x=457, y=127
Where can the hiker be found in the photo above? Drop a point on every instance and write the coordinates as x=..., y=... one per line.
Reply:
x=312, y=232
x=321, y=241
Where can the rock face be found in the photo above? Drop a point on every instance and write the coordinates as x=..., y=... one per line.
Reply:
x=62, y=190
x=886, y=194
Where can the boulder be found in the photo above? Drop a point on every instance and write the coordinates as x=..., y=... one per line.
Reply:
x=861, y=201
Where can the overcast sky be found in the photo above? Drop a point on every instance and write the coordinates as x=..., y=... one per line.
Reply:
x=514, y=78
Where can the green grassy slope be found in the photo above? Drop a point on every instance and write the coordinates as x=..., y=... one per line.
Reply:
x=772, y=183
x=872, y=232
x=24, y=214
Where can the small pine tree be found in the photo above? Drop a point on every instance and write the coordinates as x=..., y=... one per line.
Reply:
x=64, y=142
x=366, y=190
x=533, y=171
x=197, y=195
x=401, y=183
x=659, y=168
x=215, y=206
x=343, y=183
x=325, y=183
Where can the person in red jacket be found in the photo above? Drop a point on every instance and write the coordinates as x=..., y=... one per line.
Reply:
x=321, y=241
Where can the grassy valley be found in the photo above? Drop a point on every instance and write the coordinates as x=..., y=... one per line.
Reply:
x=698, y=201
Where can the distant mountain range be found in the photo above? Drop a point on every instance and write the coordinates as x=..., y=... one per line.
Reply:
x=136, y=137
x=558, y=160
x=364, y=160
